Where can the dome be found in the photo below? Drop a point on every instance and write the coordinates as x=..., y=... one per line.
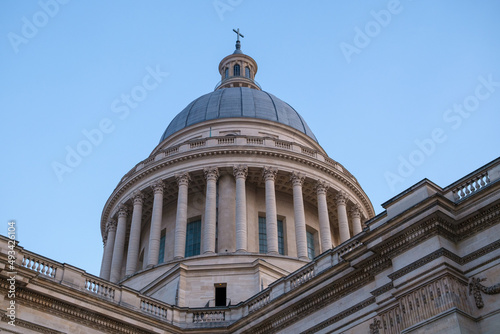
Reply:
x=242, y=102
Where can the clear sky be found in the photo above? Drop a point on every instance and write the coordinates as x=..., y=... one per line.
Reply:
x=396, y=91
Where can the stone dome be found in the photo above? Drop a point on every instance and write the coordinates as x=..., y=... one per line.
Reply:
x=238, y=102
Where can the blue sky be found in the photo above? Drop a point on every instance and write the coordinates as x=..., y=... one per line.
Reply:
x=396, y=91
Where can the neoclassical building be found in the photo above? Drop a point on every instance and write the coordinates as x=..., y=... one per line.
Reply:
x=239, y=222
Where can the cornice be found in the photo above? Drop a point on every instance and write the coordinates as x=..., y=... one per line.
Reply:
x=281, y=155
x=31, y=326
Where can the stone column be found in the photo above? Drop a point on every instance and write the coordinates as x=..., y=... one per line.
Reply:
x=324, y=222
x=135, y=234
x=108, y=249
x=181, y=217
x=240, y=174
x=155, y=229
x=269, y=174
x=356, y=219
x=209, y=226
x=342, y=216
x=299, y=215
x=118, y=248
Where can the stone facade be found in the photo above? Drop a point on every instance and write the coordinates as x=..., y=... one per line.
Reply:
x=245, y=225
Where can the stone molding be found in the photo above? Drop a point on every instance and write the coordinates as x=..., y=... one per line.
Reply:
x=340, y=176
x=31, y=326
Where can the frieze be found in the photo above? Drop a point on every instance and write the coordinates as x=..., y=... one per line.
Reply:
x=339, y=316
x=384, y=288
x=74, y=313
x=31, y=326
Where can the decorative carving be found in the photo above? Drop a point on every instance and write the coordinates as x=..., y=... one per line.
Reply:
x=297, y=178
x=269, y=173
x=122, y=211
x=240, y=171
x=158, y=187
x=111, y=226
x=138, y=197
x=475, y=288
x=211, y=173
x=182, y=179
x=321, y=187
x=356, y=211
x=375, y=326
x=341, y=198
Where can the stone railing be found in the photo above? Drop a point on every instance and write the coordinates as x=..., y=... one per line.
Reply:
x=239, y=140
x=474, y=182
x=46, y=267
x=72, y=277
x=99, y=287
x=154, y=308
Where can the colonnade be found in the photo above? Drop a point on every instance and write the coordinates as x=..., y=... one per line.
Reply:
x=115, y=234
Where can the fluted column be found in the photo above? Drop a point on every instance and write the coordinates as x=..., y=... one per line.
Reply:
x=342, y=216
x=325, y=233
x=155, y=229
x=135, y=234
x=118, y=248
x=108, y=249
x=240, y=174
x=300, y=219
x=269, y=174
x=356, y=219
x=209, y=226
x=181, y=217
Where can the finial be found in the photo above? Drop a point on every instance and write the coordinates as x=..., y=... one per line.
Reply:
x=238, y=44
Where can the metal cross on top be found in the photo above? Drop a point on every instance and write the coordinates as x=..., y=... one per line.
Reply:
x=238, y=34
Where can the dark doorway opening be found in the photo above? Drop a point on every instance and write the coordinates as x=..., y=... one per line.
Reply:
x=220, y=294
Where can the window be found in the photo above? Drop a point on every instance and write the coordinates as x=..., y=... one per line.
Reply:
x=263, y=236
x=220, y=294
x=247, y=72
x=226, y=73
x=161, y=255
x=310, y=245
x=193, y=238
x=236, y=70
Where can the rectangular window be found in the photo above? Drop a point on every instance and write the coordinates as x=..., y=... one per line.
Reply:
x=193, y=238
x=310, y=245
x=263, y=236
x=161, y=255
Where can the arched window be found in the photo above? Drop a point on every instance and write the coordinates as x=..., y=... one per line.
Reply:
x=226, y=73
x=247, y=72
x=236, y=70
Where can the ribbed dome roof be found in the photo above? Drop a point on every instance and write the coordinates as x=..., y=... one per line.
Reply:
x=237, y=102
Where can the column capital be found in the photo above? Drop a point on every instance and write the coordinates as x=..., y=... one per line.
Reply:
x=104, y=240
x=356, y=211
x=297, y=178
x=321, y=187
x=341, y=197
x=158, y=186
x=138, y=197
x=211, y=173
x=110, y=226
x=269, y=173
x=182, y=178
x=122, y=211
x=240, y=171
